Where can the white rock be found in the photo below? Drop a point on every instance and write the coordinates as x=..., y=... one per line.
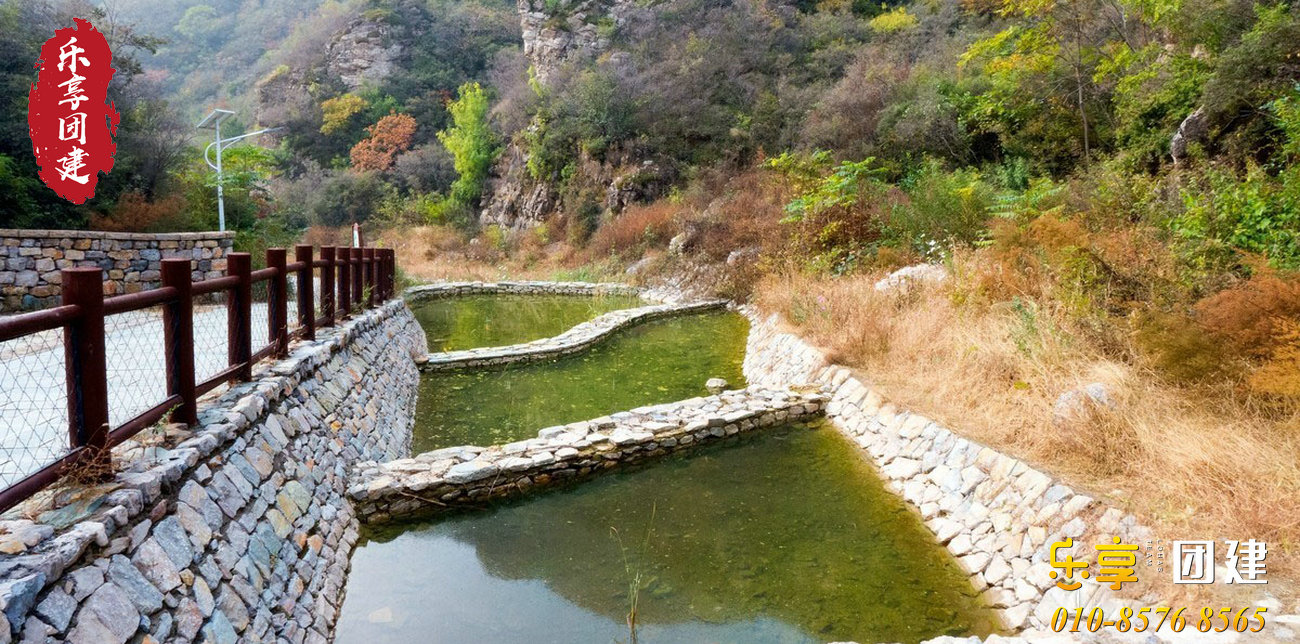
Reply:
x=1075, y=404
x=471, y=471
x=904, y=278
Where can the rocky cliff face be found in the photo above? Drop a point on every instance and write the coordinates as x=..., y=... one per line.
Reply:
x=514, y=199
x=361, y=52
x=555, y=34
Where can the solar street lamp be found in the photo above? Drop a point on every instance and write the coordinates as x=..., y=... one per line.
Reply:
x=214, y=120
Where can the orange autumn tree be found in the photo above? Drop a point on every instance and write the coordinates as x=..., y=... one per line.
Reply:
x=384, y=140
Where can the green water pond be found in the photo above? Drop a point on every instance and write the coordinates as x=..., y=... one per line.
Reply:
x=782, y=536
x=655, y=362
x=472, y=321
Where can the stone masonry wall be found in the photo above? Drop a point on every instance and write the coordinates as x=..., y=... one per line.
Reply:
x=456, y=289
x=236, y=530
x=30, y=261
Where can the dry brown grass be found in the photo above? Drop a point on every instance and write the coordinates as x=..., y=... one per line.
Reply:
x=1195, y=462
x=638, y=228
x=430, y=253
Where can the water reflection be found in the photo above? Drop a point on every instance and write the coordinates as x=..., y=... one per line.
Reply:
x=787, y=536
x=471, y=321
x=655, y=362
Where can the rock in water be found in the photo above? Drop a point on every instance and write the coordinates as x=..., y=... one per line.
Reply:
x=716, y=385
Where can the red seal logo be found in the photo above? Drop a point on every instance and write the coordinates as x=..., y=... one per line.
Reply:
x=70, y=121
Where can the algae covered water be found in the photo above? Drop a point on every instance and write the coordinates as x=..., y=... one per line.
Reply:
x=472, y=321
x=656, y=362
x=783, y=536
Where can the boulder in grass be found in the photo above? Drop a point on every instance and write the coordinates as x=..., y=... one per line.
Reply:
x=1075, y=404
x=905, y=278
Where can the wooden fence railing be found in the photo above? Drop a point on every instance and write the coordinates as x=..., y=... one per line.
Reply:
x=350, y=280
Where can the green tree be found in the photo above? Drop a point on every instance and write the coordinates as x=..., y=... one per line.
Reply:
x=1040, y=89
x=200, y=24
x=472, y=144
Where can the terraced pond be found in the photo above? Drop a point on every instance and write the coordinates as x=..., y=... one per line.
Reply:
x=786, y=535
x=655, y=362
x=471, y=321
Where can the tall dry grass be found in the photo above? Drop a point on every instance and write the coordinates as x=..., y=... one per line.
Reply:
x=1201, y=462
x=432, y=253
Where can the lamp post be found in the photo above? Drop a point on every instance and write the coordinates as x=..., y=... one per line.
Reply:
x=213, y=120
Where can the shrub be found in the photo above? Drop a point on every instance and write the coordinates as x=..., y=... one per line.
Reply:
x=337, y=111
x=1180, y=348
x=348, y=197
x=425, y=168
x=1248, y=316
x=1280, y=374
x=1224, y=213
x=943, y=208
x=636, y=229
x=135, y=214
x=893, y=21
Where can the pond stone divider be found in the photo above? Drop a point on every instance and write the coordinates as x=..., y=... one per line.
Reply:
x=578, y=338
x=438, y=290
x=470, y=476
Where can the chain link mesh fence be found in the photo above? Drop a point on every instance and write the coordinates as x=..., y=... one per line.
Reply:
x=135, y=353
x=211, y=352
x=291, y=307
x=33, y=404
x=261, y=315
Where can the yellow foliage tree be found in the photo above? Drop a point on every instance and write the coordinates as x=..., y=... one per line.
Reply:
x=336, y=112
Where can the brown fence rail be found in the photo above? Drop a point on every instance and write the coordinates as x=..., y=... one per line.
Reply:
x=344, y=280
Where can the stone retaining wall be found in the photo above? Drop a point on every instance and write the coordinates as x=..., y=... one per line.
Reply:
x=417, y=294
x=30, y=261
x=235, y=531
x=459, y=476
x=576, y=339
x=997, y=515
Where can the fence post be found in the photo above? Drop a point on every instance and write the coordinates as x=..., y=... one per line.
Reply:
x=357, y=280
x=379, y=277
x=85, y=364
x=239, y=316
x=368, y=256
x=306, y=291
x=390, y=273
x=344, y=257
x=327, y=285
x=277, y=301
x=178, y=337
